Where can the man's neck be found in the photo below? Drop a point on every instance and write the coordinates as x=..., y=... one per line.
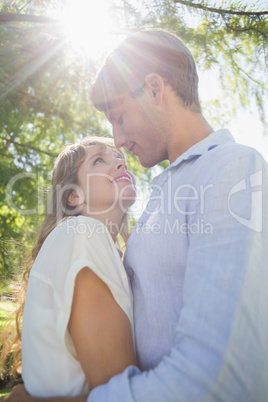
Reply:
x=189, y=128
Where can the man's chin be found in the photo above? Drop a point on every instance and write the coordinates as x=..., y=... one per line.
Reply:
x=147, y=164
x=144, y=162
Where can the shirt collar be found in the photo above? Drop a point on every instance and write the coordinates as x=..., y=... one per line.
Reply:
x=214, y=139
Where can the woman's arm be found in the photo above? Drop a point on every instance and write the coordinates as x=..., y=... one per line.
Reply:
x=101, y=334
x=100, y=330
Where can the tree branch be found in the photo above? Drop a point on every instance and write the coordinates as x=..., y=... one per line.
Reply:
x=235, y=29
x=36, y=103
x=26, y=4
x=247, y=75
x=220, y=10
x=9, y=141
x=27, y=18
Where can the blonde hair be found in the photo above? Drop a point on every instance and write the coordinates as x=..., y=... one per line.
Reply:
x=64, y=177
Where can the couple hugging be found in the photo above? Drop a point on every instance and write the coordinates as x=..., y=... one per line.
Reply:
x=184, y=316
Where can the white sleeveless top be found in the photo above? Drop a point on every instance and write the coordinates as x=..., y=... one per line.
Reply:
x=49, y=362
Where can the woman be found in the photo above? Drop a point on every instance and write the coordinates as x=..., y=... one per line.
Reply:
x=77, y=327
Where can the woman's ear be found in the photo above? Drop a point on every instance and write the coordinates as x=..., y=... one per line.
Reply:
x=74, y=199
x=155, y=85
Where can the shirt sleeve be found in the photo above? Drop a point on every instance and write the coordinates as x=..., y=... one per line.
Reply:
x=84, y=242
x=221, y=348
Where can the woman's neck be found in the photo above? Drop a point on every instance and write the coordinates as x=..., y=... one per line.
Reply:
x=112, y=220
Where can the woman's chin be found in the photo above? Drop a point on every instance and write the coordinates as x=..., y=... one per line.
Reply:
x=127, y=203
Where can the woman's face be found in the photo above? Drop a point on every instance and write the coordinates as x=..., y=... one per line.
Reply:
x=104, y=182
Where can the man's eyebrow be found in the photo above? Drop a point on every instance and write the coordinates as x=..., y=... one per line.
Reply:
x=108, y=105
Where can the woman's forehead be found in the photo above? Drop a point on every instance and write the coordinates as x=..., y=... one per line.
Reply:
x=104, y=150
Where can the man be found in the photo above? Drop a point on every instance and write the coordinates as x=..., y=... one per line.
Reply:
x=197, y=257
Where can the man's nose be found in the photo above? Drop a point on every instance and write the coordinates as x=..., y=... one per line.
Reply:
x=119, y=138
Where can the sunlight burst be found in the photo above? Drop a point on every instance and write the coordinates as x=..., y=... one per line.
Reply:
x=88, y=25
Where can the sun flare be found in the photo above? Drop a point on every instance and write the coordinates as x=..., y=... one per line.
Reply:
x=88, y=25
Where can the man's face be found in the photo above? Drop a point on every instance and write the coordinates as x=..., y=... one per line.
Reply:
x=138, y=126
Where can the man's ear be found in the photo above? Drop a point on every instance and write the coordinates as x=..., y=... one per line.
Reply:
x=74, y=199
x=156, y=86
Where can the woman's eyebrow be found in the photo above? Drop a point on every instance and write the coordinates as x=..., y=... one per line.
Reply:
x=103, y=153
x=117, y=155
x=94, y=155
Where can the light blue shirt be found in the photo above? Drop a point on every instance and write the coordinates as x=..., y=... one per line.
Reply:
x=198, y=262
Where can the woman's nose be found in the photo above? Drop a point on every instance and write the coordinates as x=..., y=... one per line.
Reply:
x=121, y=165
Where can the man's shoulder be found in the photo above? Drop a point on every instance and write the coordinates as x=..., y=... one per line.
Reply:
x=233, y=153
x=224, y=162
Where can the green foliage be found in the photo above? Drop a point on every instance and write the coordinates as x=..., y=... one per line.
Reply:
x=35, y=124
x=6, y=309
x=4, y=392
x=45, y=86
x=44, y=104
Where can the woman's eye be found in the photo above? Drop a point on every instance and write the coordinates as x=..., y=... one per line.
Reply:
x=98, y=160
